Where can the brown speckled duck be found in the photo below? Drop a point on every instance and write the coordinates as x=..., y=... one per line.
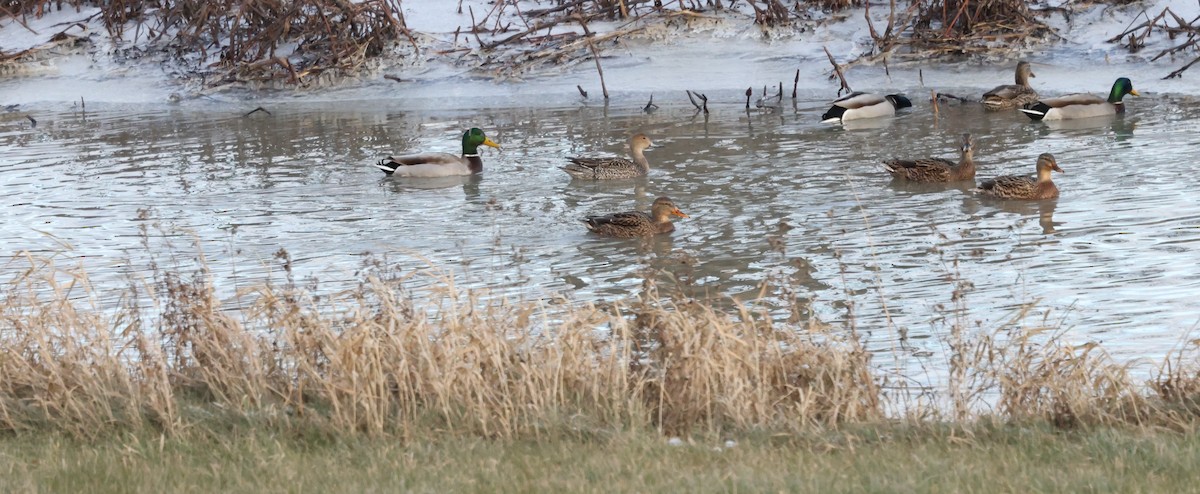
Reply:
x=636, y=223
x=613, y=168
x=1024, y=187
x=1009, y=96
x=936, y=169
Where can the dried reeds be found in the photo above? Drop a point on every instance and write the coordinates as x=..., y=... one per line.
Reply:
x=373, y=361
x=378, y=361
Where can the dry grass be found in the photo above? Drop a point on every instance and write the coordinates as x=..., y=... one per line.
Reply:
x=167, y=354
x=373, y=361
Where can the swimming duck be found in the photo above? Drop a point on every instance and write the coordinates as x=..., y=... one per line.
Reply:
x=936, y=169
x=1082, y=105
x=858, y=105
x=613, y=168
x=636, y=223
x=1023, y=187
x=441, y=164
x=1010, y=96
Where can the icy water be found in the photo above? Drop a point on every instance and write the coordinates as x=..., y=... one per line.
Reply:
x=799, y=212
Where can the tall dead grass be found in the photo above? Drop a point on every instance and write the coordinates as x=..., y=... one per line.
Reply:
x=373, y=360
x=376, y=360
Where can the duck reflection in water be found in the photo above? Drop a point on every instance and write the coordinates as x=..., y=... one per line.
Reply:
x=1044, y=209
x=469, y=184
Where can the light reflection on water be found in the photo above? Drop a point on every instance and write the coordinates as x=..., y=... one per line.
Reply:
x=778, y=202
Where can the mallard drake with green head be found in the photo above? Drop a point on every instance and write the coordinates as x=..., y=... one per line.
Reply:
x=1024, y=187
x=441, y=164
x=636, y=223
x=613, y=168
x=1082, y=105
x=936, y=169
x=858, y=105
x=1009, y=96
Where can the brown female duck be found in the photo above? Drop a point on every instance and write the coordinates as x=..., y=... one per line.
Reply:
x=613, y=168
x=1024, y=187
x=1009, y=96
x=636, y=223
x=936, y=169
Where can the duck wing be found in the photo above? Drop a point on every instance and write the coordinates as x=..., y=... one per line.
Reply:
x=859, y=99
x=1007, y=91
x=1074, y=99
x=1009, y=96
x=1008, y=186
x=602, y=168
x=921, y=170
x=627, y=219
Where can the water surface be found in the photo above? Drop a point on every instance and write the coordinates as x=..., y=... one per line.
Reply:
x=780, y=206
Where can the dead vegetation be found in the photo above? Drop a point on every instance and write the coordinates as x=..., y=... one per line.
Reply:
x=374, y=361
x=954, y=28
x=228, y=41
x=168, y=353
x=296, y=41
x=1167, y=23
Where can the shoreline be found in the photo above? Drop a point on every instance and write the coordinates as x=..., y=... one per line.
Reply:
x=662, y=58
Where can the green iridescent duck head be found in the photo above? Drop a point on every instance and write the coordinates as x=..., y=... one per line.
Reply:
x=474, y=138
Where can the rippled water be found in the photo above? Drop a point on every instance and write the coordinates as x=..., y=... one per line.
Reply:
x=773, y=197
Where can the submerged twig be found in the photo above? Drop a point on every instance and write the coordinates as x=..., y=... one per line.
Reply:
x=650, y=106
x=703, y=105
x=581, y=91
x=256, y=110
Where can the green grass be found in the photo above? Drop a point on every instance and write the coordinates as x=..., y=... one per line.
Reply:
x=887, y=458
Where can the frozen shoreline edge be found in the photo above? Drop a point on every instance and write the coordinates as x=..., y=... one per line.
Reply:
x=662, y=63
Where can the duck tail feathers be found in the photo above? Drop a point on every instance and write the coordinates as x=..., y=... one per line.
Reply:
x=387, y=166
x=1036, y=111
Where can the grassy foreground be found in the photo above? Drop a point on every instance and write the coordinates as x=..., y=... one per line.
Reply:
x=889, y=458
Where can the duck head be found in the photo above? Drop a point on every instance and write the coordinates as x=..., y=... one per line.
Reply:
x=663, y=208
x=1024, y=72
x=1120, y=88
x=474, y=138
x=639, y=143
x=1046, y=163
